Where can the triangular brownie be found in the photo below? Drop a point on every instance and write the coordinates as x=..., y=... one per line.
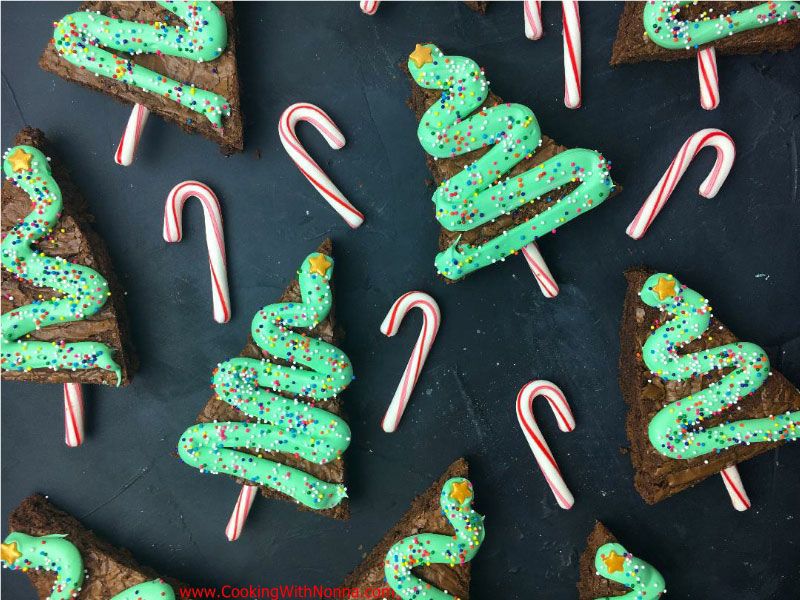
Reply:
x=603, y=550
x=633, y=44
x=108, y=570
x=201, y=81
x=658, y=476
x=492, y=211
x=425, y=516
x=101, y=339
x=218, y=411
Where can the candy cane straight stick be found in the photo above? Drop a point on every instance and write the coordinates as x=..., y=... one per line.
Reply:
x=541, y=451
x=369, y=7
x=532, y=9
x=572, y=53
x=726, y=153
x=130, y=137
x=73, y=414
x=709, y=79
x=540, y=270
x=240, y=512
x=215, y=240
x=431, y=317
x=307, y=165
x=733, y=483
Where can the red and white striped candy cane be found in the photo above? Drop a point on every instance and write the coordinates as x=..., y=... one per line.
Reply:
x=431, y=317
x=215, y=239
x=726, y=153
x=733, y=483
x=130, y=137
x=709, y=79
x=73, y=414
x=540, y=270
x=541, y=451
x=369, y=7
x=532, y=9
x=240, y=512
x=309, y=113
x=571, y=19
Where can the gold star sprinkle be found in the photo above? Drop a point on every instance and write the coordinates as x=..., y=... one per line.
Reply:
x=20, y=160
x=421, y=55
x=614, y=562
x=460, y=492
x=319, y=264
x=10, y=553
x=665, y=288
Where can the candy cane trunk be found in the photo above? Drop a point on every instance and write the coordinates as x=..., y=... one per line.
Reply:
x=540, y=270
x=369, y=7
x=532, y=11
x=126, y=150
x=73, y=414
x=241, y=510
x=735, y=487
x=709, y=79
x=571, y=20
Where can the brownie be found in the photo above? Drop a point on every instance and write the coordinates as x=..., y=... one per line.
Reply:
x=219, y=410
x=220, y=75
x=109, y=570
x=478, y=7
x=74, y=240
x=657, y=476
x=590, y=584
x=442, y=169
x=423, y=516
x=632, y=45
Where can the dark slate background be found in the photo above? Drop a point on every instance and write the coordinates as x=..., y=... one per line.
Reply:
x=740, y=249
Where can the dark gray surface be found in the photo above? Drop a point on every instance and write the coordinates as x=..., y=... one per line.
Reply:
x=740, y=249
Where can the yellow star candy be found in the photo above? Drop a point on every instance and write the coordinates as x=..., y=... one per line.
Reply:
x=10, y=553
x=421, y=55
x=460, y=492
x=20, y=160
x=319, y=264
x=614, y=562
x=665, y=288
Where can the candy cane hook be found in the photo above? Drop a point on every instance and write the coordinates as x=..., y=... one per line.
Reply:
x=431, y=317
x=709, y=79
x=540, y=270
x=309, y=113
x=733, y=483
x=532, y=11
x=369, y=7
x=129, y=141
x=73, y=414
x=541, y=451
x=726, y=153
x=215, y=240
x=240, y=512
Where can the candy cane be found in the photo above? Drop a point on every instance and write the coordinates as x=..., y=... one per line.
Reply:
x=541, y=451
x=571, y=20
x=240, y=512
x=73, y=414
x=540, y=270
x=308, y=167
x=726, y=153
x=532, y=9
x=130, y=137
x=733, y=483
x=431, y=317
x=369, y=7
x=709, y=79
x=215, y=240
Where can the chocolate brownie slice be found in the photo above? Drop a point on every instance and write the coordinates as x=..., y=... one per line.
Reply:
x=109, y=570
x=74, y=240
x=423, y=516
x=657, y=476
x=590, y=584
x=219, y=410
x=632, y=45
x=219, y=75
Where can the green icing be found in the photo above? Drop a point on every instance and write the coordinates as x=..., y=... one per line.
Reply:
x=50, y=553
x=81, y=38
x=643, y=578
x=677, y=429
x=478, y=194
x=664, y=26
x=56, y=553
x=429, y=548
x=82, y=291
x=266, y=391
